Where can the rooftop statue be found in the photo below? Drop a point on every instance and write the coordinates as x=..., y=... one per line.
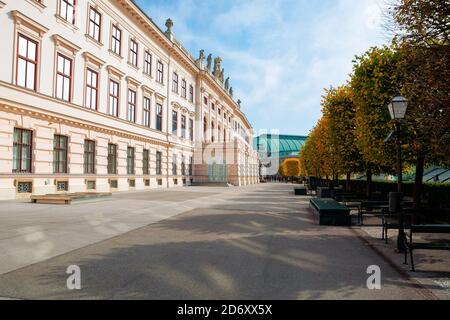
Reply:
x=239, y=103
x=201, y=59
x=231, y=91
x=169, y=25
x=222, y=75
x=227, y=84
x=217, y=62
x=209, y=61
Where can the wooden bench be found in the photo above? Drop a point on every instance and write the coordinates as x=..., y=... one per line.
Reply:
x=331, y=212
x=69, y=198
x=426, y=228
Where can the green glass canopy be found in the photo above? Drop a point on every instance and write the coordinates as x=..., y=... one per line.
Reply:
x=279, y=146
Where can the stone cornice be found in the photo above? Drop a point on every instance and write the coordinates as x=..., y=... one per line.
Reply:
x=224, y=96
x=183, y=58
x=39, y=113
x=140, y=17
x=76, y=123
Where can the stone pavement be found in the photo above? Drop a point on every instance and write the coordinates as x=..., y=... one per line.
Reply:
x=432, y=266
x=258, y=242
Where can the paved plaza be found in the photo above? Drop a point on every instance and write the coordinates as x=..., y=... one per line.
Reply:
x=257, y=242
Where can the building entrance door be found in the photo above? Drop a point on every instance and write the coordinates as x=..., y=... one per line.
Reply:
x=217, y=172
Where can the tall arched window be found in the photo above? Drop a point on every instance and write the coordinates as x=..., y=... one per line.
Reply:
x=212, y=131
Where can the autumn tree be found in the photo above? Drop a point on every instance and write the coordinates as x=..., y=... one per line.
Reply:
x=375, y=81
x=338, y=107
x=318, y=154
x=423, y=31
x=290, y=167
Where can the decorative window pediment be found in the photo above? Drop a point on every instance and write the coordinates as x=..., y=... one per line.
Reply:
x=64, y=44
x=176, y=105
x=115, y=72
x=159, y=97
x=148, y=90
x=93, y=60
x=133, y=82
x=26, y=24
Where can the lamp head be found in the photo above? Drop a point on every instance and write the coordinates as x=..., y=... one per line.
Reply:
x=398, y=107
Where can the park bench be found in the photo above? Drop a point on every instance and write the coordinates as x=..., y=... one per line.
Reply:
x=300, y=191
x=371, y=207
x=323, y=192
x=331, y=212
x=349, y=197
x=69, y=198
x=311, y=188
x=389, y=220
x=433, y=245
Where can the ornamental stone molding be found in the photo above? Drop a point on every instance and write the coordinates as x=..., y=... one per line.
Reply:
x=90, y=58
x=133, y=82
x=115, y=72
x=23, y=22
x=64, y=44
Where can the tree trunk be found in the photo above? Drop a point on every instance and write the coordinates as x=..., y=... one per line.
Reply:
x=347, y=183
x=419, y=181
x=369, y=184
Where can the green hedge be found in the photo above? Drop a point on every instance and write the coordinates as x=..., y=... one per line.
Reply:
x=436, y=194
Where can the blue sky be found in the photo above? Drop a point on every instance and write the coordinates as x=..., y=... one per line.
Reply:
x=279, y=54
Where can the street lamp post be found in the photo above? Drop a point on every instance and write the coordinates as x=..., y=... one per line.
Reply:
x=397, y=110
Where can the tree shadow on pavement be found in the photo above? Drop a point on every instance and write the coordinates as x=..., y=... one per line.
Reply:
x=220, y=255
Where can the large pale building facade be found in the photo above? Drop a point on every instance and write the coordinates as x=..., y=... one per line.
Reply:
x=95, y=97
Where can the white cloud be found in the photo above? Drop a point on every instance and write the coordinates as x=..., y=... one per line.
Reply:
x=280, y=54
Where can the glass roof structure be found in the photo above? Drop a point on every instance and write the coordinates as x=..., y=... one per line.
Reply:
x=278, y=146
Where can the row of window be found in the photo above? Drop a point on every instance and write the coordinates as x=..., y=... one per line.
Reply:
x=221, y=137
x=175, y=87
x=26, y=77
x=27, y=64
x=22, y=156
x=219, y=111
x=183, y=125
x=67, y=12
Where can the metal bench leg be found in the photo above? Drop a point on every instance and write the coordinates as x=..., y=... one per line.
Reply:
x=386, y=231
x=406, y=250
x=413, y=269
x=406, y=255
